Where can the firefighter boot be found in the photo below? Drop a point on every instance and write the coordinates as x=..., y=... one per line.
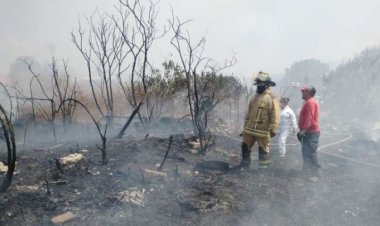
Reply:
x=264, y=159
x=245, y=160
x=245, y=157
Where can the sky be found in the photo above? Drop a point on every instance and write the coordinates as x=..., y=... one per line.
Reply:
x=268, y=35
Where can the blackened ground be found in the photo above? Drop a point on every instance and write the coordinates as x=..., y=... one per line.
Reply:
x=346, y=194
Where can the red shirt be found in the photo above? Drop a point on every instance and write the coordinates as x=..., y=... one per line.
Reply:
x=309, y=116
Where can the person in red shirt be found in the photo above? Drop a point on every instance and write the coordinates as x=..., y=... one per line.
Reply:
x=309, y=130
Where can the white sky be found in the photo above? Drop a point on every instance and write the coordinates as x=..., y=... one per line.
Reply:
x=266, y=35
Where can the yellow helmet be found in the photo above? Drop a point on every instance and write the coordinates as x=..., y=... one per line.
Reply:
x=264, y=77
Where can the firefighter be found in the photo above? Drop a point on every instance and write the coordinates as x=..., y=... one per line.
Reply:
x=261, y=122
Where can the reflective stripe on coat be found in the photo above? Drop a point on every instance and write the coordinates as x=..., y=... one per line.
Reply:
x=263, y=115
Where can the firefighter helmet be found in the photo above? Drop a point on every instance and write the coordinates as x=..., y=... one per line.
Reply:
x=264, y=77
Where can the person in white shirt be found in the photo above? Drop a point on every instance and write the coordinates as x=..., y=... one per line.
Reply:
x=288, y=121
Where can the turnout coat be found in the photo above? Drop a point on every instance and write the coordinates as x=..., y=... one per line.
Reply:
x=263, y=115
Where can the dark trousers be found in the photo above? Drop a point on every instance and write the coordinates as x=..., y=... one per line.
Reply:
x=309, y=151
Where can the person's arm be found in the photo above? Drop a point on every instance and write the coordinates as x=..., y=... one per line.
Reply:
x=308, y=115
x=293, y=120
x=274, y=117
x=248, y=111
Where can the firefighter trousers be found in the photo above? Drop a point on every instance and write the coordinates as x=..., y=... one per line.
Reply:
x=264, y=155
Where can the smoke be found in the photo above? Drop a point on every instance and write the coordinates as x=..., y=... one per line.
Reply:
x=20, y=75
x=51, y=47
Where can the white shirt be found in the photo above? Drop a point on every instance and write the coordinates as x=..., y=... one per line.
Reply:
x=288, y=119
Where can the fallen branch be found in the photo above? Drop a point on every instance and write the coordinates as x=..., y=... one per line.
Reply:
x=166, y=154
x=122, y=131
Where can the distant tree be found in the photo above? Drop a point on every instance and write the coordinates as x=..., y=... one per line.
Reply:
x=248, y=90
x=20, y=75
x=45, y=98
x=165, y=88
x=244, y=93
x=310, y=71
x=352, y=89
x=176, y=84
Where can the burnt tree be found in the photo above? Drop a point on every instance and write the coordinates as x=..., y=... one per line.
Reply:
x=9, y=136
x=201, y=74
